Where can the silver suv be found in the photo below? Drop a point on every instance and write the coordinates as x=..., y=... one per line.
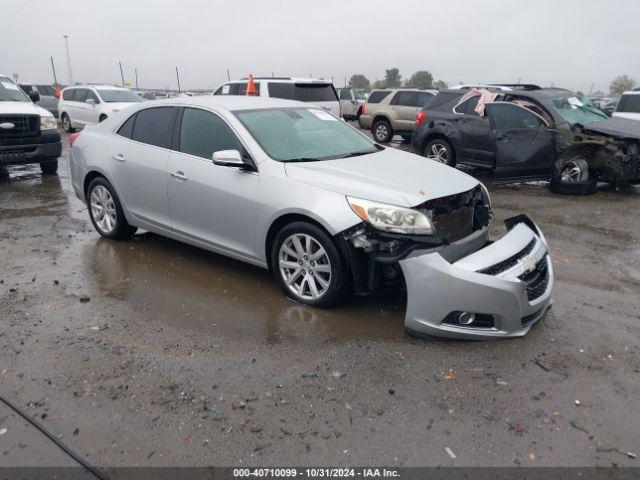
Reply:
x=393, y=111
x=289, y=187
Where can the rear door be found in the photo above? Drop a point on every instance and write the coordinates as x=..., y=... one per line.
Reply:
x=139, y=154
x=475, y=132
x=209, y=203
x=523, y=142
x=403, y=106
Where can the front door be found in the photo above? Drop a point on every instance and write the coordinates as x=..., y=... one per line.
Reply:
x=524, y=143
x=209, y=203
x=475, y=132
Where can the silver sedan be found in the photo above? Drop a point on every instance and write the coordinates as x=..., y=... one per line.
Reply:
x=289, y=187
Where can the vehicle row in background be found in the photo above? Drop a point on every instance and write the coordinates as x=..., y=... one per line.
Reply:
x=352, y=102
x=629, y=105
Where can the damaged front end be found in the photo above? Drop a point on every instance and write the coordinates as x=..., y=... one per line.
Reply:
x=459, y=284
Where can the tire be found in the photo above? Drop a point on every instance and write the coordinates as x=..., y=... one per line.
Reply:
x=439, y=150
x=102, y=118
x=66, y=123
x=571, y=177
x=49, y=167
x=382, y=131
x=299, y=274
x=102, y=197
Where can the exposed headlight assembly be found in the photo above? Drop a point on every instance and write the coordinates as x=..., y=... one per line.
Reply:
x=48, y=122
x=391, y=218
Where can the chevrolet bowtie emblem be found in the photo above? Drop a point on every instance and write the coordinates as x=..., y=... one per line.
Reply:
x=7, y=126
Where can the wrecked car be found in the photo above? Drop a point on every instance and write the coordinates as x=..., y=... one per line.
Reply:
x=289, y=187
x=525, y=132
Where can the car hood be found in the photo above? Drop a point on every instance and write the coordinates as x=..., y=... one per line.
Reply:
x=389, y=176
x=22, y=108
x=616, y=127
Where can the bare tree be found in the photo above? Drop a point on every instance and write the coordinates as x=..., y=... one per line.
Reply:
x=621, y=84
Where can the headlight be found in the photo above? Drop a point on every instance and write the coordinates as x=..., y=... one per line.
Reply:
x=391, y=218
x=48, y=123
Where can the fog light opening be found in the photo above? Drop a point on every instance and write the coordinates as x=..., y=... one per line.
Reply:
x=466, y=318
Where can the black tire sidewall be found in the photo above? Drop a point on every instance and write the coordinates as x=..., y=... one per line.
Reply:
x=49, y=167
x=123, y=230
x=70, y=129
x=586, y=187
x=338, y=273
x=450, y=154
x=389, y=130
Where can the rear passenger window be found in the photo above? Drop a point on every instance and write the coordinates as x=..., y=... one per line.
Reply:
x=404, y=99
x=236, y=89
x=126, y=130
x=79, y=95
x=68, y=94
x=203, y=133
x=377, y=97
x=468, y=106
x=154, y=126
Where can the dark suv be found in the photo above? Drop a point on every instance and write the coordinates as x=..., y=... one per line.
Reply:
x=530, y=133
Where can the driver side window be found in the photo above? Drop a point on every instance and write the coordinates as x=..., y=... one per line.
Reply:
x=507, y=116
x=202, y=133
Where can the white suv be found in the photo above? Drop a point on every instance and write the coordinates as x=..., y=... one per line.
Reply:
x=82, y=105
x=629, y=105
x=311, y=90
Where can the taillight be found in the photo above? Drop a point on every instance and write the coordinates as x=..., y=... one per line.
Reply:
x=420, y=118
x=72, y=138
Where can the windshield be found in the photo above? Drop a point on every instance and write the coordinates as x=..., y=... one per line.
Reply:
x=10, y=92
x=303, y=92
x=576, y=108
x=112, y=96
x=304, y=134
x=629, y=103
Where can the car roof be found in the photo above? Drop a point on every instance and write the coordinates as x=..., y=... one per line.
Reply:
x=632, y=92
x=232, y=102
x=97, y=87
x=284, y=80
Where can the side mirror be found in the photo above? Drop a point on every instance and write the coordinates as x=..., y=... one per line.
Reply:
x=228, y=158
x=90, y=101
x=34, y=95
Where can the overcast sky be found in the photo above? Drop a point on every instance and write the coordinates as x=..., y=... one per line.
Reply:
x=569, y=43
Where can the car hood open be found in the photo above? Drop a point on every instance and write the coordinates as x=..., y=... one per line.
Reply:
x=615, y=127
x=389, y=176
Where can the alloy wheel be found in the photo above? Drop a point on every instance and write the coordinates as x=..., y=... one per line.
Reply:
x=305, y=266
x=103, y=209
x=572, y=172
x=381, y=132
x=66, y=123
x=438, y=153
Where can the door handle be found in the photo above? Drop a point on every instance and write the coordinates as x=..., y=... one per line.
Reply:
x=118, y=156
x=179, y=175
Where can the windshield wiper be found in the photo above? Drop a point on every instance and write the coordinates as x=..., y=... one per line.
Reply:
x=357, y=154
x=302, y=159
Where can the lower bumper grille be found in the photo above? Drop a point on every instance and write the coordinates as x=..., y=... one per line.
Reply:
x=537, y=279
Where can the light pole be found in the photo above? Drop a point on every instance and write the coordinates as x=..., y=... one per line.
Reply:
x=66, y=44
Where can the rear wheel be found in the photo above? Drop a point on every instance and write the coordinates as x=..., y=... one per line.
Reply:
x=106, y=212
x=571, y=177
x=66, y=123
x=49, y=167
x=307, y=265
x=382, y=131
x=439, y=150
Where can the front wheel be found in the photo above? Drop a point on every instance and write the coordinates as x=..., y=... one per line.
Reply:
x=66, y=124
x=440, y=151
x=571, y=177
x=106, y=212
x=307, y=265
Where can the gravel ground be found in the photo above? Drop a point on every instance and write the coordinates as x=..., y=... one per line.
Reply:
x=151, y=352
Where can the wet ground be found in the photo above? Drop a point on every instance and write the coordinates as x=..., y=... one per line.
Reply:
x=151, y=352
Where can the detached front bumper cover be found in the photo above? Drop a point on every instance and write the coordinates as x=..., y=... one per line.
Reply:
x=504, y=288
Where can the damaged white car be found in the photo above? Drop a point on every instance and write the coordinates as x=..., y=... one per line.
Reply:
x=289, y=187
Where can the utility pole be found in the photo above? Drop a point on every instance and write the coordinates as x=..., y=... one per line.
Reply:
x=178, y=77
x=66, y=44
x=228, y=76
x=136, y=72
x=121, y=74
x=53, y=67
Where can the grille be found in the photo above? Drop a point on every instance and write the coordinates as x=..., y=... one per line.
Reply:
x=23, y=125
x=510, y=262
x=537, y=279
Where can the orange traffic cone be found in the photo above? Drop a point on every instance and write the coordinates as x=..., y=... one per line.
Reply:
x=251, y=87
x=57, y=94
